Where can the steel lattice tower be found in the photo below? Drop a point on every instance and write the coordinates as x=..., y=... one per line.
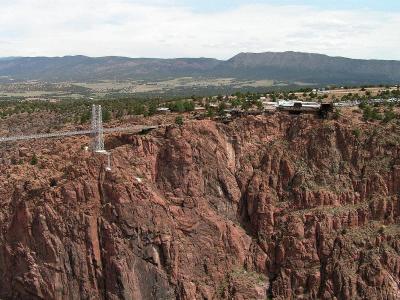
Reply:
x=97, y=128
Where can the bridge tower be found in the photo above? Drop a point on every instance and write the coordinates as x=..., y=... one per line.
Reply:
x=98, y=134
x=97, y=128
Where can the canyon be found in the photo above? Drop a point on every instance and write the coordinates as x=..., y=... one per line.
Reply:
x=266, y=207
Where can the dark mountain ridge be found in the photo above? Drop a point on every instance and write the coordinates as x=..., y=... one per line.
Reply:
x=83, y=68
x=312, y=67
x=286, y=66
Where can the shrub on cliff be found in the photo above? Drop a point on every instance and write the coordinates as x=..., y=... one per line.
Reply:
x=370, y=114
x=389, y=115
x=53, y=182
x=376, y=115
x=34, y=160
x=337, y=114
x=179, y=120
x=357, y=133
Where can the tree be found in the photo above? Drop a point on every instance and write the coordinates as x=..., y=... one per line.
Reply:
x=370, y=113
x=106, y=115
x=188, y=106
x=85, y=117
x=210, y=112
x=363, y=105
x=236, y=102
x=259, y=105
x=376, y=115
x=246, y=105
x=388, y=115
x=239, y=95
x=221, y=109
x=152, y=109
x=139, y=109
x=367, y=111
x=179, y=120
x=177, y=106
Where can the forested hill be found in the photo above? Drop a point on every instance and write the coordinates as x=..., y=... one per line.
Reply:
x=287, y=66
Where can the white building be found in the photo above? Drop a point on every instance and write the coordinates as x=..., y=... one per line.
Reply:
x=299, y=104
x=163, y=110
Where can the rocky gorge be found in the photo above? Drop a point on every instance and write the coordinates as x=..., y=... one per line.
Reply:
x=277, y=207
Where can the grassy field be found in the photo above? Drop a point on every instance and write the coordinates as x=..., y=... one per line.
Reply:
x=177, y=87
x=183, y=82
x=184, y=85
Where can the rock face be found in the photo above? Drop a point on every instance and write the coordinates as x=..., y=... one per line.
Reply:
x=281, y=207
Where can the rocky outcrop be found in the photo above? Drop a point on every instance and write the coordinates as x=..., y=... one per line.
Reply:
x=282, y=207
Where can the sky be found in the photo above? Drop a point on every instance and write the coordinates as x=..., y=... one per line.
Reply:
x=189, y=28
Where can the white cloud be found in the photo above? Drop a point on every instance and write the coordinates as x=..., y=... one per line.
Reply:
x=161, y=29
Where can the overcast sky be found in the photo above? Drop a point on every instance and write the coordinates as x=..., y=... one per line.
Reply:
x=189, y=28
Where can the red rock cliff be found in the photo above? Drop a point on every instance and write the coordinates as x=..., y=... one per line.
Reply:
x=281, y=207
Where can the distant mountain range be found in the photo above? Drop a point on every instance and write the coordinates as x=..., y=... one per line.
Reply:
x=285, y=66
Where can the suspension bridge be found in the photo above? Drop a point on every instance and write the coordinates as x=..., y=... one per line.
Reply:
x=97, y=132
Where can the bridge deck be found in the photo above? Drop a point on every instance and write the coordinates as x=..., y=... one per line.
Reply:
x=73, y=133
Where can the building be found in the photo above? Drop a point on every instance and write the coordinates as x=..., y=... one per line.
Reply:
x=270, y=106
x=199, y=108
x=163, y=110
x=298, y=107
